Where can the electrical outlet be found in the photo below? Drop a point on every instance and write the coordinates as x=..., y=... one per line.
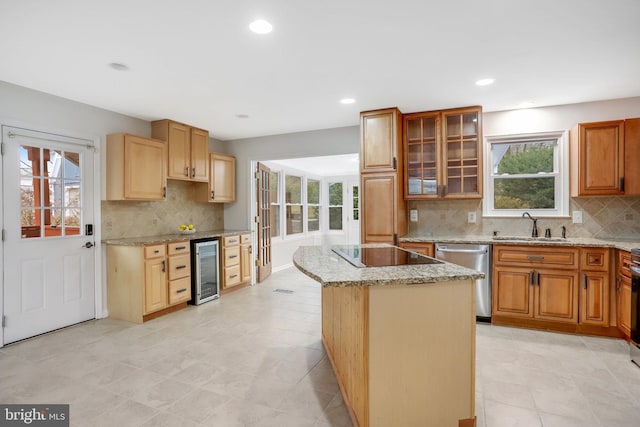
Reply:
x=413, y=215
x=471, y=217
x=628, y=217
x=577, y=217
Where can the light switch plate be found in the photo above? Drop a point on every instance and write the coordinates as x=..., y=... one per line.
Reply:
x=577, y=217
x=471, y=217
x=413, y=215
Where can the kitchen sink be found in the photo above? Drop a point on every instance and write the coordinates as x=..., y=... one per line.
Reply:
x=530, y=239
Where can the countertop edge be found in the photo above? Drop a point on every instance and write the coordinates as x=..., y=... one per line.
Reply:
x=170, y=238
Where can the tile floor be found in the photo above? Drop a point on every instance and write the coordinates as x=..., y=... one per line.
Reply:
x=255, y=358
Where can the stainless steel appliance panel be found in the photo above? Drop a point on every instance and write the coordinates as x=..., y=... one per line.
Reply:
x=205, y=267
x=476, y=257
x=635, y=306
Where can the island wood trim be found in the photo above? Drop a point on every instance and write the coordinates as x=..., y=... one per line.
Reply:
x=386, y=342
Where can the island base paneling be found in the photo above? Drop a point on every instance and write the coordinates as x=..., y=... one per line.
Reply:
x=403, y=355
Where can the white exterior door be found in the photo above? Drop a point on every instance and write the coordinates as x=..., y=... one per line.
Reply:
x=48, y=252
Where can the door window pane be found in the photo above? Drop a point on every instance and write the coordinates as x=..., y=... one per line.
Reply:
x=50, y=192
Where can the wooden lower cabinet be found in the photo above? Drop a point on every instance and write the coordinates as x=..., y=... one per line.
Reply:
x=556, y=296
x=559, y=288
x=236, y=261
x=623, y=290
x=624, y=306
x=512, y=292
x=419, y=247
x=594, y=298
x=144, y=282
x=155, y=285
x=392, y=373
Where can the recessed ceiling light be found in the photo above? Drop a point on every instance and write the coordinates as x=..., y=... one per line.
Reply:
x=485, y=82
x=119, y=66
x=242, y=116
x=347, y=101
x=525, y=104
x=260, y=26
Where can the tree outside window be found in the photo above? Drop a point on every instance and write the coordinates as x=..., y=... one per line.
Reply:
x=313, y=205
x=274, y=200
x=335, y=206
x=293, y=200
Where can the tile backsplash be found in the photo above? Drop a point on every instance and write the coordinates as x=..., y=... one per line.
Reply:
x=602, y=217
x=135, y=219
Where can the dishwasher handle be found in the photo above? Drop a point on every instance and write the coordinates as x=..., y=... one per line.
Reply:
x=463, y=251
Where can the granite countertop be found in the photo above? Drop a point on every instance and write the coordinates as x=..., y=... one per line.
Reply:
x=169, y=238
x=624, y=244
x=328, y=268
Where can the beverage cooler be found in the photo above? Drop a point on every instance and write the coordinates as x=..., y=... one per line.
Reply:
x=205, y=270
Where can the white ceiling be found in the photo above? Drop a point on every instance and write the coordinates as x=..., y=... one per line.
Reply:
x=196, y=61
x=338, y=165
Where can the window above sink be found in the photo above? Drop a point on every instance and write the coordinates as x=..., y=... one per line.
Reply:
x=527, y=172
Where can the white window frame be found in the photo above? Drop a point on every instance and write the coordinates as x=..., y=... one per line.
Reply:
x=560, y=173
x=278, y=202
x=330, y=181
x=307, y=205
x=302, y=203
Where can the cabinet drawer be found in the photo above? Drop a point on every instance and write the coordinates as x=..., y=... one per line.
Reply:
x=179, y=266
x=179, y=290
x=624, y=262
x=594, y=259
x=231, y=256
x=178, y=248
x=231, y=240
x=231, y=276
x=245, y=238
x=154, y=251
x=529, y=256
x=421, y=248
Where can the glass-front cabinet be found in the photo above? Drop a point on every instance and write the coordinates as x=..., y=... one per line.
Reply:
x=443, y=154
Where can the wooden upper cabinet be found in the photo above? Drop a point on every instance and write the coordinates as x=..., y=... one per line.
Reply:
x=199, y=155
x=379, y=140
x=136, y=168
x=443, y=154
x=631, y=156
x=597, y=159
x=222, y=184
x=188, y=149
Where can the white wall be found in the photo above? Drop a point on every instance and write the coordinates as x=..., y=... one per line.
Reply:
x=560, y=117
x=301, y=144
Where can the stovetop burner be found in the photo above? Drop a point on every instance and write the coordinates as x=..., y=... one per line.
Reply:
x=381, y=256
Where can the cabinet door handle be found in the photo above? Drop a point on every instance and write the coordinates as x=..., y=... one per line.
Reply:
x=193, y=172
x=156, y=251
x=164, y=267
x=531, y=276
x=164, y=192
x=233, y=276
x=181, y=290
x=213, y=195
x=444, y=190
x=535, y=257
x=617, y=284
x=180, y=267
x=621, y=183
x=584, y=285
x=186, y=171
x=233, y=256
x=180, y=248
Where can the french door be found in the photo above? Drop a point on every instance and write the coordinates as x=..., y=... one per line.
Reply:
x=48, y=248
x=264, y=221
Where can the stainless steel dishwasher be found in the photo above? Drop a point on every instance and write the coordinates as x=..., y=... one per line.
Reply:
x=476, y=257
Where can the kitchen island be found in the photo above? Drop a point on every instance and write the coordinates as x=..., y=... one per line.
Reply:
x=401, y=339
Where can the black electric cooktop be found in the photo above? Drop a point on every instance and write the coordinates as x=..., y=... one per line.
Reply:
x=381, y=256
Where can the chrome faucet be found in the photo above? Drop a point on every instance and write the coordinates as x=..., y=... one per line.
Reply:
x=534, y=231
